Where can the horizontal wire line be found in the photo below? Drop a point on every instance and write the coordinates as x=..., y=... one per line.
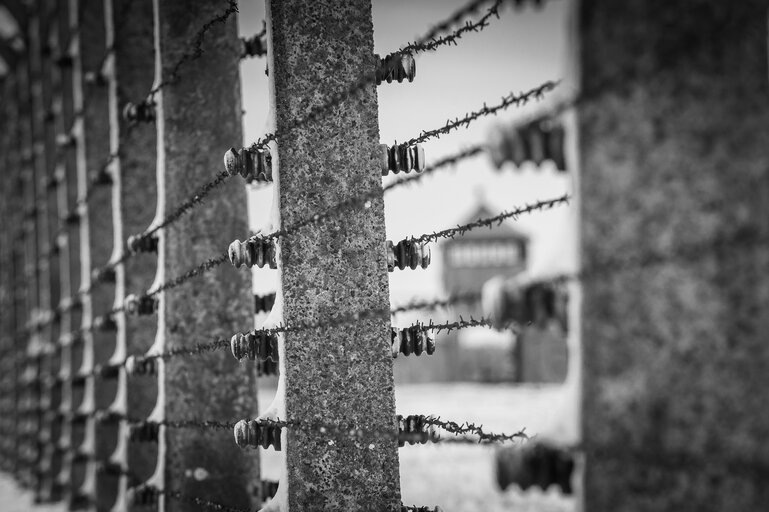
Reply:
x=511, y=99
x=489, y=222
x=350, y=431
x=370, y=78
x=213, y=262
x=197, y=47
x=436, y=303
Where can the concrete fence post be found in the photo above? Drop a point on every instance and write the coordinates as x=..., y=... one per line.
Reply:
x=198, y=113
x=128, y=74
x=341, y=374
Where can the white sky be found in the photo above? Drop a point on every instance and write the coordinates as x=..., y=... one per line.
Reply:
x=522, y=49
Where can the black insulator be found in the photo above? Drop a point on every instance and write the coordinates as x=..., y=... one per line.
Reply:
x=255, y=434
x=401, y=158
x=267, y=368
x=103, y=275
x=407, y=253
x=253, y=252
x=140, y=304
x=107, y=371
x=143, y=495
x=108, y=417
x=269, y=489
x=536, y=141
x=535, y=464
x=264, y=303
x=255, y=345
x=143, y=112
x=414, y=429
x=395, y=66
x=254, y=46
x=251, y=164
x=143, y=243
x=411, y=340
x=95, y=78
x=72, y=218
x=104, y=323
x=80, y=500
x=101, y=177
x=66, y=140
x=52, y=182
x=145, y=432
x=64, y=60
x=78, y=381
x=405, y=508
x=110, y=468
x=141, y=365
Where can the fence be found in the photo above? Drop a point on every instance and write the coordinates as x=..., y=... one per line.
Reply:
x=94, y=130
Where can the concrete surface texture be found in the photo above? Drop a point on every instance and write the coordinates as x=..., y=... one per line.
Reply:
x=675, y=198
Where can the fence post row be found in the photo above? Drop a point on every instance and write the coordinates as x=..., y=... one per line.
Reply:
x=199, y=114
x=339, y=374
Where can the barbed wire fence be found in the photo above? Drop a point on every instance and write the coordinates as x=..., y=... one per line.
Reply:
x=99, y=80
x=84, y=388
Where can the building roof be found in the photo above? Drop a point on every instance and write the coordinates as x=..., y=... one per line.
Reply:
x=502, y=231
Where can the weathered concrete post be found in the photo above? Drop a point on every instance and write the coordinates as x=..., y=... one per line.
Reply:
x=129, y=71
x=44, y=342
x=28, y=64
x=69, y=306
x=340, y=374
x=676, y=359
x=91, y=141
x=198, y=119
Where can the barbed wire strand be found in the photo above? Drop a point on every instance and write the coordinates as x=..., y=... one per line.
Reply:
x=432, y=304
x=489, y=222
x=454, y=19
x=197, y=47
x=512, y=99
x=461, y=431
x=369, y=78
x=187, y=205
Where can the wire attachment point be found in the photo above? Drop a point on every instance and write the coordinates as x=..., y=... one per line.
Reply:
x=401, y=158
x=407, y=253
x=396, y=66
x=253, y=164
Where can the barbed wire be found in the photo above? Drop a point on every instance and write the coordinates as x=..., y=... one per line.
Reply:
x=179, y=211
x=216, y=261
x=370, y=78
x=439, y=165
x=197, y=47
x=202, y=268
x=436, y=303
x=461, y=431
x=454, y=19
x=511, y=99
x=431, y=42
x=460, y=230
